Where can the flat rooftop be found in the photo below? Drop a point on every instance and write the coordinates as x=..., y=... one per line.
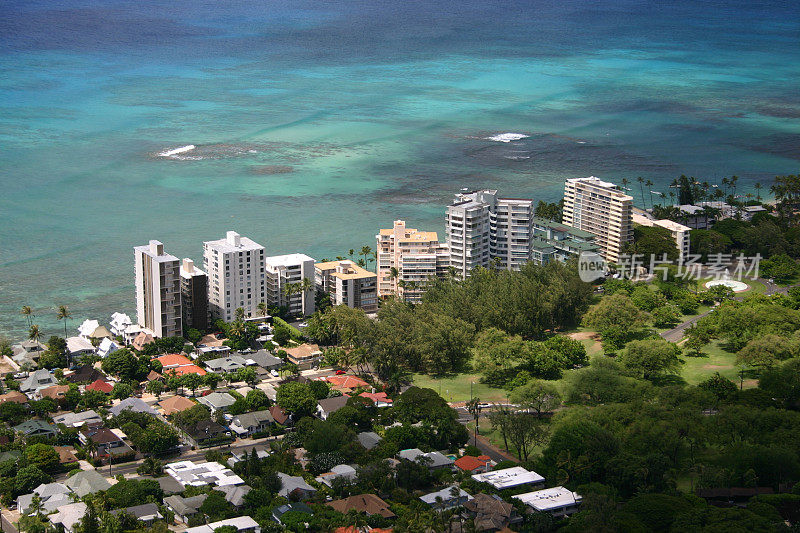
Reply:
x=549, y=499
x=508, y=477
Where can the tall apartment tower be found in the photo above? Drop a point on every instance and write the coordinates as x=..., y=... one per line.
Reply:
x=194, y=296
x=158, y=290
x=235, y=268
x=415, y=256
x=284, y=271
x=603, y=210
x=483, y=229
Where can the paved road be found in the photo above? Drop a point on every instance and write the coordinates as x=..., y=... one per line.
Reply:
x=676, y=334
x=483, y=445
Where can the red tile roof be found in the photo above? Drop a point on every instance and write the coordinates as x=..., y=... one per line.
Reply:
x=346, y=382
x=469, y=463
x=172, y=360
x=376, y=397
x=187, y=369
x=100, y=385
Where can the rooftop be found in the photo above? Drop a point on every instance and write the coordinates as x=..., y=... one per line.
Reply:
x=508, y=477
x=199, y=474
x=548, y=499
x=233, y=242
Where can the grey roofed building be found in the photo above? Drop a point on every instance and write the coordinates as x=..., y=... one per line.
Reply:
x=231, y=363
x=249, y=423
x=328, y=406
x=147, y=512
x=431, y=459
x=444, y=499
x=53, y=496
x=27, y=352
x=346, y=472
x=294, y=484
x=217, y=401
x=134, y=404
x=369, y=439
x=33, y=428
x=68, y=516
x=262, y=452
x=235, y=494
x=264, y=359
x=78, y=419
x=87, y=482
x=185, y=508
x=168, y=484
x=37, y=380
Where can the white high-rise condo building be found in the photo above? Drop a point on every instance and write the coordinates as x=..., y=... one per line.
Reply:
x=158, y=290
x=235, y=269
x=603, y=210
x=285, y=285
x=484, y=230
x=416, y=256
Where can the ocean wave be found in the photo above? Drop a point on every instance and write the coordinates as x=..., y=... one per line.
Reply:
x=507, y=137
x=176, y=151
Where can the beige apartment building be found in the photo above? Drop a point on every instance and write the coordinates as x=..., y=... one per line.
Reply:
x=158, y=290
x=603, y=210
x=407, y=259
x=348, y=284
x=678, y=231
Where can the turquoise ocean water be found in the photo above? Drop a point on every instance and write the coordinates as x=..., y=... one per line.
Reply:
x=319, y=122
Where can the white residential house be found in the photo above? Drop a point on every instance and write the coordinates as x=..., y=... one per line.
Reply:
x=200, y=474
x=106, y=347
x=119, y=322
x=243, y=524
x=558, y=501
x=88, y=327
x=509, y=478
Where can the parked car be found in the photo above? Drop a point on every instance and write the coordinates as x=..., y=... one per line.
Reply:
x=340, y=372
x=274, y=373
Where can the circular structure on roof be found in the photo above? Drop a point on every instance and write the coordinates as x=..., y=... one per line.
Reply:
x=736, y=286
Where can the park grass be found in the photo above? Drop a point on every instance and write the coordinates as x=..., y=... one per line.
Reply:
x=456, y=388
x=697, y=369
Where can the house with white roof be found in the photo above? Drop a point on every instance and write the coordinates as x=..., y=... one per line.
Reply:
x=200, y=474
x=119, y=323
x=447, y=498
x=345, y=472
x=52, y=496
x=508, y=478
x=88, y=327
x=558, y=501
x=243, y=524
x=77, y=346
x=106, y=347
x=37, y=380
x=69, y=516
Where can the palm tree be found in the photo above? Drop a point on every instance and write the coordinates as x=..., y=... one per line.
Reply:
x=351, y=253
x=28, y=312
x=306, y=285
x=649, y=184
x=239, y=313
x=64, y=314
x=625, y=183
x=758, y=190
x=262, y=308
x=34, y=333
x=641, y=186
x=366, y=251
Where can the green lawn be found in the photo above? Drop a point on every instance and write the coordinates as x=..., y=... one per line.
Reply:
x=457, y=388
x=698, y=369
